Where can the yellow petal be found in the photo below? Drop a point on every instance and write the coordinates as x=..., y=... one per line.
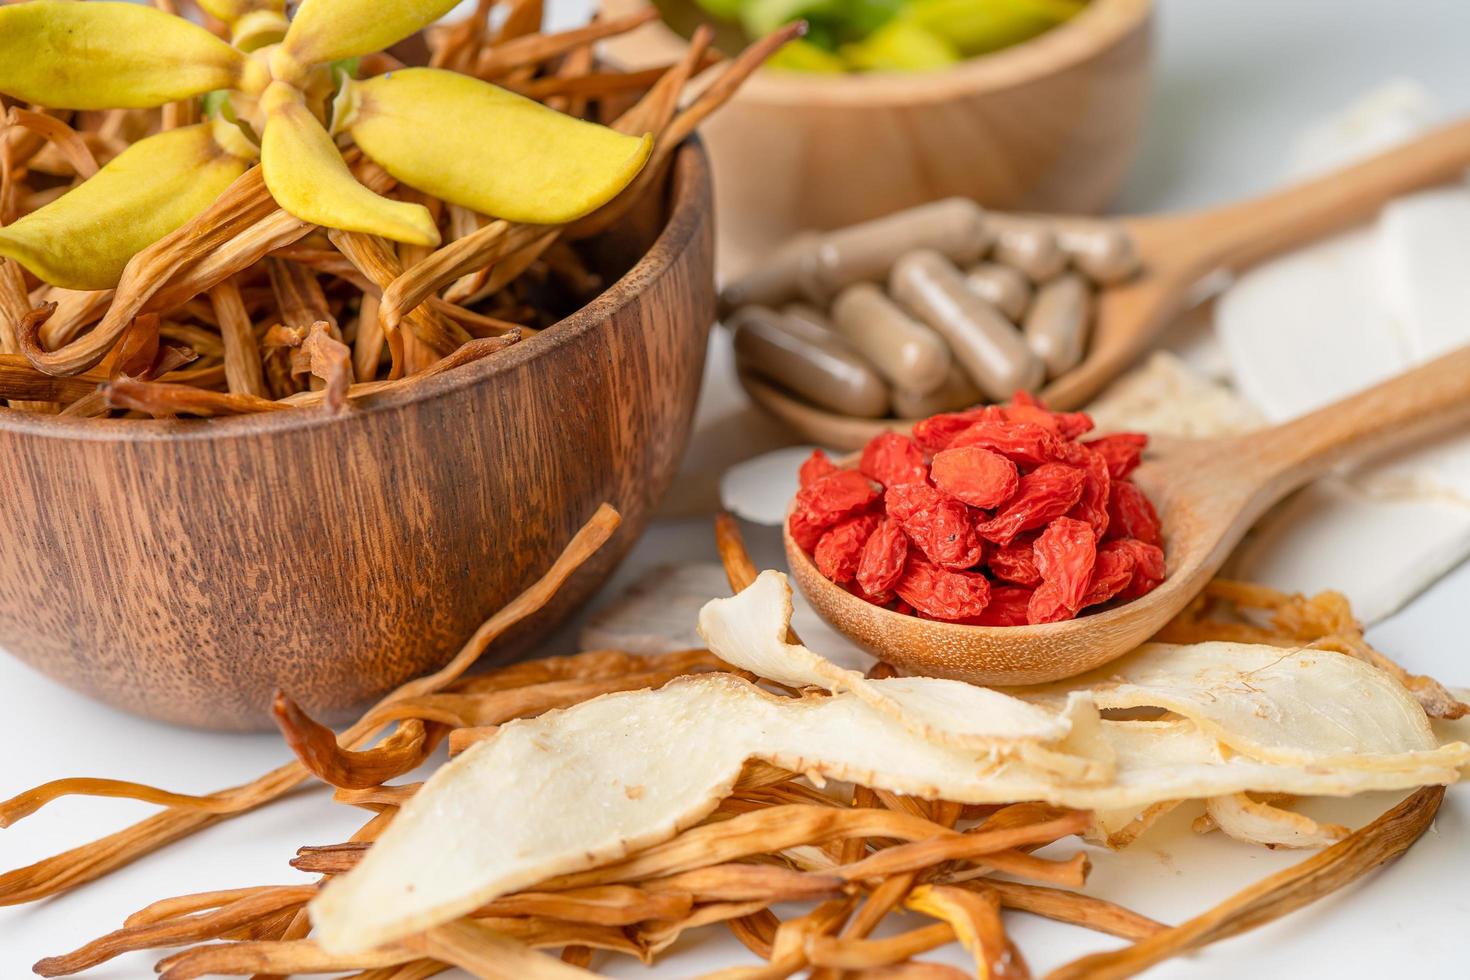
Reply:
x=479, y=146
x=325, y=30
x=108, y=56
x=83, y=239
x=308, y=178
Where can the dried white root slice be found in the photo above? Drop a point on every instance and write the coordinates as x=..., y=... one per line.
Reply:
x=584, y=786
x=749, y=630
x=1288, y=707
x=1258, y=822
x=1116, y=829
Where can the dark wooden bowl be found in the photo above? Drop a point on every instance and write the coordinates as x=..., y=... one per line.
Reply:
x=185, y=570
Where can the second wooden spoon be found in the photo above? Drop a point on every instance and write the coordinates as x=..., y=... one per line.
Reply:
x=1208, y=493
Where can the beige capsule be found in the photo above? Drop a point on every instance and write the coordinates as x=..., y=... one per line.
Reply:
x=985, y=343
x=904, y=351
x=865, y=252
x=808, y=314
x=957, y=392
x=813, y=363
x=1102, y=250
x=774, y=281
x=1056, y=327
x=1028, y=245
x=1002, y=287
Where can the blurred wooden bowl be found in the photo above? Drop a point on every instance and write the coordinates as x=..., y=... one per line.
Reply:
x=186, y=570
x=1050, y=124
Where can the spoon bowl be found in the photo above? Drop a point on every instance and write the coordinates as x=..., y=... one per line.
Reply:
x=1208, y=494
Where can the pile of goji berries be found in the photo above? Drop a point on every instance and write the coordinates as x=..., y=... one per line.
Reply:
x=995, y=516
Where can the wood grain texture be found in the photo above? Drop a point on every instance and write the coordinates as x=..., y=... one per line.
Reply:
x=1208, y=493
x=1051, y=124
x=186, y=570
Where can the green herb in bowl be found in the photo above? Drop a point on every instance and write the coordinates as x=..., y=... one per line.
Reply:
x=893, y=35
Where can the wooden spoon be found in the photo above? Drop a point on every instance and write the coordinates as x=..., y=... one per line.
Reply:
x=1208, y=493
x=1178, y=253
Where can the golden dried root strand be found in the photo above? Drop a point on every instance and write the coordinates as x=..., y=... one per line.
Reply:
x=278, y=958
x=331, y=361
x=975, y=918
x=178, y=930
x=67, y=870
x=68, y=142
x=316, y=747
x=488, y=954
x=1071, y=907
x=532, y=49
x=162, y=399
x=1286, y=891
x=604, y=905
x=24, y=804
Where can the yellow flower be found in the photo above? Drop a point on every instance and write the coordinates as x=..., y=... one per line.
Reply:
x=460, y=139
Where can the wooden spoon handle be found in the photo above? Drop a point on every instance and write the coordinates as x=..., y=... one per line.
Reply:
x=1434, y=397
x=1236, y=236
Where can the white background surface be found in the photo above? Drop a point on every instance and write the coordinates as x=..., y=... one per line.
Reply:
x=1236, y=81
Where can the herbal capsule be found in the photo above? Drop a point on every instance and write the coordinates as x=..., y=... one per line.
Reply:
x=774, y=281
x=904, y=351
x=865, y=252
x=1028, y=245
x=1002, y=287
x=985, y=343
x=1056, y=326
x=957, y=392
x=1102, y=250
x=813, y=363
x=809, y=315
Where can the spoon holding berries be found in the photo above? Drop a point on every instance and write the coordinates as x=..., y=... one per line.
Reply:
x=1008, y=545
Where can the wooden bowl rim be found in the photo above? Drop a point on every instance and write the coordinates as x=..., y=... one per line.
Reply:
x=687, y=209
x=1100, y=26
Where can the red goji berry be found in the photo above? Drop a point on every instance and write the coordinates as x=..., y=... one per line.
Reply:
x=883, y=558
x=942, y=528
x=1063, y=425
x=1047, y=492
x=1111, y=575
x=838, y=552
x=1148, y=566
x=1065, y=555
x=1131, y=515
x=1023, y=443
x=1122, y=450
x=1016, y=562
x=890, y=459
x=941, y=593
x=826, y=501
x=877, y=599
x=937, y=431
x=1007, y=607
x=1047, y=605
x=817, y=465
x=1092, y=505
x=975, y=476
